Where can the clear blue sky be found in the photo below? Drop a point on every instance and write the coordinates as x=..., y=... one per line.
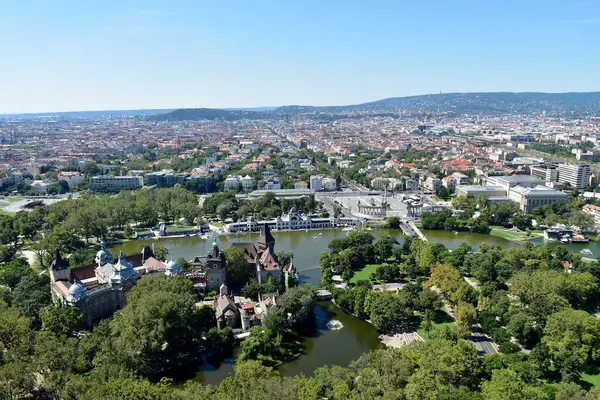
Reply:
x=59, y=55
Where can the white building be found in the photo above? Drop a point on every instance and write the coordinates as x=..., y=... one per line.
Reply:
x=107, y=182
x=300, y=185
x=271, y=184
x=577, y=175
x=530, y=197
x=72, y=178
x=232, y=181
x=461, y=179
x=292, y=221
x=316, y=183
x=346, y=164
x=40, y=186
x=594, y=211
x=432, y=184
x=329, y=184
x=476, y=191
x=546, y=173
x=379, y=183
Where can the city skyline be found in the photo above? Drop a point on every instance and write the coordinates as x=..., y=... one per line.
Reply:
x=65, y=56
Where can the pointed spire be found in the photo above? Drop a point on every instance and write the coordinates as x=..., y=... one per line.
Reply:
x=59, y=263
x=265, y=235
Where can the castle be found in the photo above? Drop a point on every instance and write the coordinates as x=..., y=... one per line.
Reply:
x=100, y=289
x=241, y=313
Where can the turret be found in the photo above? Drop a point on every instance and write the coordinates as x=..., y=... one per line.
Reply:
x=60, y=269
x=266, y=239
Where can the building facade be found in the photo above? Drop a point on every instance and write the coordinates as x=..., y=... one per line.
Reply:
x=530, y=197
x=99, y=289
x=576, y=175
x=111, y=183
x=292, y=221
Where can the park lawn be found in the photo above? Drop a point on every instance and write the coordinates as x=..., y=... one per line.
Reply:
x=441, y=320
x=179, y=228
x=510, y=235
x=11, y=199
x=592, y=379
x=365, y=273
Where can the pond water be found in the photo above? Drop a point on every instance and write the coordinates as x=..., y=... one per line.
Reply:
x=327, y=346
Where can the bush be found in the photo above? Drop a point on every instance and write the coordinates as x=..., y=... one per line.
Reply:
x=509, y=348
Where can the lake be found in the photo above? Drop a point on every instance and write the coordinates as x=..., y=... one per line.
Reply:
x=326, y=347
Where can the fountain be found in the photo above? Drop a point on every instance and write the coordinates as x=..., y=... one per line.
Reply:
x=334, y=325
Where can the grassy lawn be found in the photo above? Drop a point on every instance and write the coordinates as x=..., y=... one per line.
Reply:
x=11, y=199
x=441, y=320
x=365, y=273
x=592, y=379
x=510, y=235
x=179, y=228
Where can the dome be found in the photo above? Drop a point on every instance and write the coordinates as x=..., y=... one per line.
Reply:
x=123, y=270
x=103, y=256
x=76, y=292
x=293, y=210
x=172, y=268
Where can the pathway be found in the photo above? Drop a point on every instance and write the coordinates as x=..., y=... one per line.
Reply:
x=483, y=343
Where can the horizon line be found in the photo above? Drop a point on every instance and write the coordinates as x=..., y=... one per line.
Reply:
x=168, y=109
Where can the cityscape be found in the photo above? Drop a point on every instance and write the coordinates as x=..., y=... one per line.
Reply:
x=300, y=200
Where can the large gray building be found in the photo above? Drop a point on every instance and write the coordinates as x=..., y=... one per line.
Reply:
x=576, y=175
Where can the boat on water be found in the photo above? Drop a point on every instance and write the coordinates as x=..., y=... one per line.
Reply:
x=320, y=233
x=455, y=232
x=587, y=252
x=348, y=229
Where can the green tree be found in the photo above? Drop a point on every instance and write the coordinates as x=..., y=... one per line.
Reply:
x=505, y=385
x=384, y=246
x=573, y=340
x=60, y=319
x=393, y=223
x=465, y=315
x=239, y=271
x=388, y=313
x=161, y=253
x=160, y=321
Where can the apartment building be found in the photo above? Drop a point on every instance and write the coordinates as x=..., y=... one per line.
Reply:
x=316, y=183
x=72, y=178
x=594, y=211
x=110, y=183
x=576, y=175
x=545, y=173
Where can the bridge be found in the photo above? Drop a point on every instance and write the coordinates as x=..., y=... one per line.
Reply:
x=410, y=229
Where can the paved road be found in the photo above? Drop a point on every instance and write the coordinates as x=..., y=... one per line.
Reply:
x=483, y=343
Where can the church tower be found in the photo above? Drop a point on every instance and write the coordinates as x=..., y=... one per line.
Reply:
x=266, y=240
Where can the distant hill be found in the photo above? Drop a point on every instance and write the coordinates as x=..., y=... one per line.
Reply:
x=190, y=114
x=468, y=103
x=493, y=103
x=93, y=114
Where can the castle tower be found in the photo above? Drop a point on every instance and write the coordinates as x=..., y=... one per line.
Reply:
x=60, y=270
x=266, y=240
